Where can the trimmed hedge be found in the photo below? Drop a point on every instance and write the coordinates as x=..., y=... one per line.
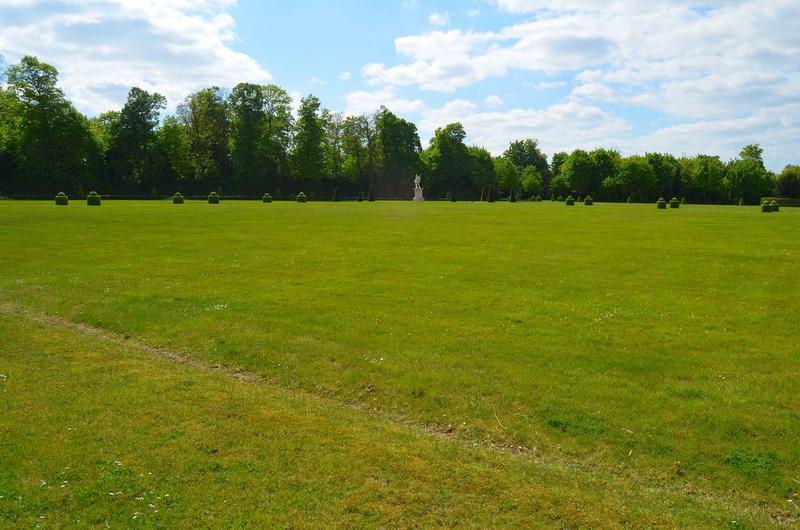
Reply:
x=213, y=198
x=766, y=207
x=301, y=197
x=588, y=201
x=674, y=203
x=661, y=204
x=177, y=198
x=266, y=198
x=782, y=201
x=62, y=199
x=570, y=201
x=776, y=207
x=93, y=199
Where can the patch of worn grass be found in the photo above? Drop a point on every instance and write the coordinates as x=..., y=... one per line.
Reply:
x=645, y=343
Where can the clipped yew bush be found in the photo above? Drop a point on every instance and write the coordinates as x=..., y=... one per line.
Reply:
x=661, y=204
x=588, y=201
x=301, y=197
x=177, y=198
x=93, y=199
x=776, y=207
x=266, y=198
x=213, y=198
x=674, y=203
x=62, y=199
x=570, y=201
x=766, y=207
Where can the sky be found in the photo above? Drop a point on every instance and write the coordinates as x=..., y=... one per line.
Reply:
x=676, y=76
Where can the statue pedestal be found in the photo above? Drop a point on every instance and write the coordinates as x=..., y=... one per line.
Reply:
x=418, y=194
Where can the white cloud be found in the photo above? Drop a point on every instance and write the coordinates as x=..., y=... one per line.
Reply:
x=102, y=48
x=439, y=19
x=472, y=13
x=344, y=76
x=364, y=102
x=317, y=81
x=493, y=101
x=549, y=85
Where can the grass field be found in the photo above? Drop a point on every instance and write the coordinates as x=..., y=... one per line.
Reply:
x=399, y=364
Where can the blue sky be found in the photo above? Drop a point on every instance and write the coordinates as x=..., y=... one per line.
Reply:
x=678, y=76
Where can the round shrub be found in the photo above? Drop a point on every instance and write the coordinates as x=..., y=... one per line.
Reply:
x=661, y=204
x=177, y=198
x=766, y=207
x=62, y=199
x=776, y=207
x=266, y=198
x=674, y=203
x=570, y=201
x=301, y=197
x=588, y=201
x=213, y=198
x=93, y=199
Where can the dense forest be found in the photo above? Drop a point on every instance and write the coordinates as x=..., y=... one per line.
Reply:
x=249, y=140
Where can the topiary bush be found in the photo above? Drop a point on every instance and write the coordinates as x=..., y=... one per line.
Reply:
x=62, y=199
x=775, y=206
x=674, y=203
x=588, y=201
x=560, y=198
x=213, y=198
x=93, y=199
x=266, y=198
x=766, y=207
x=661, y=204
x=301, y=197
x=177, y=198
x=570, y=201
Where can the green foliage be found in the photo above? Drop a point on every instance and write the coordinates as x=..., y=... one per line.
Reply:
x=560, y=199
x=766, y=207
x=783, y=201
x=538, y=198
x=750, y=464
x=674, y=203
x=508, y=177
x=213, y=198
x=93, y=199
x=588, y=201
x=62, y=199
x=635, y=179
x=452, y=196
x=360, y=196
x=450, y=165
x=776, y=207
x=570, y=201
x=526, y=153
x=512, y=197
x=661, y=204
x=787, y=184
x=747, y=178
x=490, y=194
x=177, y=198
x=267, y=198
x=335, y=195
x=308, y=156
x=371, y=195
x=301, y=197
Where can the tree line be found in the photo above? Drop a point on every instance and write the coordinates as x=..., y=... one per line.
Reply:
x=249, y=140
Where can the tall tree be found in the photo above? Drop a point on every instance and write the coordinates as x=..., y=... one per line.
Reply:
x=10, y=118
x=247, y=117
x=131, y=152
x=524, y=153
x=702, y=178
x=579, y=172
x=360, y=151
x=787, y=184
x=205, y=118
x=448, y=162
x=747, y=179
x=635, y=178
x=508, y=175
x=400, y=150
x=308, y=158
x=55, y=149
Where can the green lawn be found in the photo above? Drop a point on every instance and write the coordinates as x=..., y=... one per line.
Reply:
x=643, y=363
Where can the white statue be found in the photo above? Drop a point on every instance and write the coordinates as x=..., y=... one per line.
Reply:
x=418, y=189
x=417, y=180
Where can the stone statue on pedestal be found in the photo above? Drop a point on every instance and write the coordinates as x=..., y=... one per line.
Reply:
x=418, y=189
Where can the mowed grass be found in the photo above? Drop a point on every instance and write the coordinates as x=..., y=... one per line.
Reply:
x=646, y=361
